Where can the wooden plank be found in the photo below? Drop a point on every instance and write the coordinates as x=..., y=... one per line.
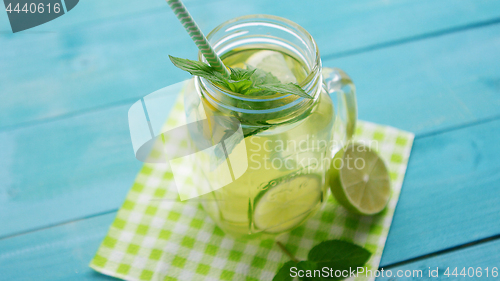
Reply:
x=58, y=253
x=467, y=210
x=483, y=256
x=50, y=172
x=64, y=67
x=431, y=84
x=450, y=195
x=63, y=252
x=435, y=15
x=63, y=170
x=92, y=12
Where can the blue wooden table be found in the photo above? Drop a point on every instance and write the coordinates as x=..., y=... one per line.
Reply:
x=66, y=161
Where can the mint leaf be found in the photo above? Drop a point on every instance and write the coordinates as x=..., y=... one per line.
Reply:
x=308, y=267
x=284, y=273
x=339, y=251
x=240, y=86
x=338, y=255
x=250, y=81
x=333, y=254
x=247, y=132
x=194, y=67
x=289, y=88
x=241, y=74
x=261, y=77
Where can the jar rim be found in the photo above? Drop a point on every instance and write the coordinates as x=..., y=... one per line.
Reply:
x=312, y=72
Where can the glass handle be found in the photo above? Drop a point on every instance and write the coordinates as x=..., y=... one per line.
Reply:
x=337, y=81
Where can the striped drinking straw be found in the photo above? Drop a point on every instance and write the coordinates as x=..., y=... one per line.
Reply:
x=199, y=39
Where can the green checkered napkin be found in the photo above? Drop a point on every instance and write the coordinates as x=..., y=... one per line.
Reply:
x=157, y=237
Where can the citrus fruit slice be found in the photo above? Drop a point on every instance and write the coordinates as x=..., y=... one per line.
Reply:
x=359, y=180
x=274, y=62
x=286, y=203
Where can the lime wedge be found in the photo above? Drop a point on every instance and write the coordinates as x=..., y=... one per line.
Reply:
x=286, y=204
x=359, y=180
x=274, y=62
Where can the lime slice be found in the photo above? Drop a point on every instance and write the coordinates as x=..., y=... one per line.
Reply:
x=359, y=180
x=274, y=62
x=286, y=203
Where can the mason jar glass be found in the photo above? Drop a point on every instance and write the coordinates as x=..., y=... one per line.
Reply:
x=289, y=140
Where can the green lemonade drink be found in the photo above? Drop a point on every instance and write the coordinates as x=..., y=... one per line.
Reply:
x=285, y=180
x=287, y=137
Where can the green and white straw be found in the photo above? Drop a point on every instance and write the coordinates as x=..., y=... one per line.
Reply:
x=199, y=39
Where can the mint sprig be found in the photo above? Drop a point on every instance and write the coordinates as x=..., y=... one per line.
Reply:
x=251, y=82
x=334, y=254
